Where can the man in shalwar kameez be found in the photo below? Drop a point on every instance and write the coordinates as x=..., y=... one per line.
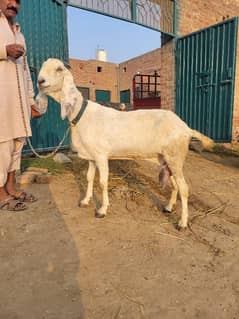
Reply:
x=16, y=105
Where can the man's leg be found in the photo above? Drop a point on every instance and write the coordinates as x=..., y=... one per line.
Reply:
x=10, y=184
x=7, y=202
x=15, y=164
x=6, y=149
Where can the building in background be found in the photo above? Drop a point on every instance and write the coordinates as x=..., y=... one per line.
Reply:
x=108, y=82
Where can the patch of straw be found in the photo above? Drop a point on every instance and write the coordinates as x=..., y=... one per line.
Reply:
x=169, y=235
x=219, y=209
x=117, y=313
x=125, y=296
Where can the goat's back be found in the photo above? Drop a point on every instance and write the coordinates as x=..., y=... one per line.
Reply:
x=130, y=134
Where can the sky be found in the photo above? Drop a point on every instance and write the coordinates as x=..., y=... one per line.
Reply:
x=122, y=41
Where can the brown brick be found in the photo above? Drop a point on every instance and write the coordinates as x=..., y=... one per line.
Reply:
x=26, y=178
x=43, y=179
x=37, y=170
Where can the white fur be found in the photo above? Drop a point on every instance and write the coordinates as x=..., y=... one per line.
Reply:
x=104, y=133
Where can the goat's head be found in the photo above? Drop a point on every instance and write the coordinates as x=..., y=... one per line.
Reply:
x=55, y=80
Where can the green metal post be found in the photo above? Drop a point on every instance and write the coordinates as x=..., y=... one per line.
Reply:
x=175, y=18
x=133, y=10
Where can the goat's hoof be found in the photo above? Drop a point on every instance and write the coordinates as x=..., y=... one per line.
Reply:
x=166, y=211
x=99, y=215
x=83, y=204
x=181, y=226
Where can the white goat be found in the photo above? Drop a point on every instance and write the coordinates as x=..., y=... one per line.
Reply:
x=104, y=133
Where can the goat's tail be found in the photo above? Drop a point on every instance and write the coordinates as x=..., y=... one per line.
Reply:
x=207, y=142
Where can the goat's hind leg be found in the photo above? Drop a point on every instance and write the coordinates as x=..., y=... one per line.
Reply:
x=168, y=208
x=181, y=186
x=164, y=174
x=183, y=191
x=90, y=180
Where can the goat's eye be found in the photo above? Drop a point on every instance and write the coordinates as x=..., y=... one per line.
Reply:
x=59, y=69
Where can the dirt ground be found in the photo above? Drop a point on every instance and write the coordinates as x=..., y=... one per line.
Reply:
x=59, y=262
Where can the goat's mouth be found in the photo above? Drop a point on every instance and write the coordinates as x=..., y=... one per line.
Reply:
x=43, y=87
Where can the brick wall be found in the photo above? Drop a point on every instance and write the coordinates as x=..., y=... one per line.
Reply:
x=145, y=64
x=168, y=76
x=113, y=77
x=194, y=15
x=85, y=73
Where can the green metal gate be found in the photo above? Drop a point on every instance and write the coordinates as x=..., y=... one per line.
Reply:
x=44, y=25
x=158, y=15
x=205, y=73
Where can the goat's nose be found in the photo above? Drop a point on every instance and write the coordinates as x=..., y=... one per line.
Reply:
x=41, y=81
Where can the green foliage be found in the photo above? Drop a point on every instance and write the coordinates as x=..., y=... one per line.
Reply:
x=53, y=167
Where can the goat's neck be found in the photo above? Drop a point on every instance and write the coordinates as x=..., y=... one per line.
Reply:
x=56, y=96
x=77, y=105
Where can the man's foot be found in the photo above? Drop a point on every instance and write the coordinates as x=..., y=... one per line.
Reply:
x=12, y=204
x=23, y=196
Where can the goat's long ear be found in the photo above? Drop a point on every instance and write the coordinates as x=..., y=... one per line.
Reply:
x=68, y=96
x=41, y=103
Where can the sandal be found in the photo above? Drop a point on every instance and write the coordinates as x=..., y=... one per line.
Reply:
x=12, y=204
x=24, y=197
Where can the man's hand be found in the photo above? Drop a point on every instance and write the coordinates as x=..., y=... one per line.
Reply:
x=34, y=112
x=15, y=51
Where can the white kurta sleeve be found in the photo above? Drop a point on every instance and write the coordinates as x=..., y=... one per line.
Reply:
x=3, y=51
x=30, y=91
x=29, y=85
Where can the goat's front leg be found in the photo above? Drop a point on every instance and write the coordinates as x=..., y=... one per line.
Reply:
x=103, y=167
x=90, y=180
x=183, y=190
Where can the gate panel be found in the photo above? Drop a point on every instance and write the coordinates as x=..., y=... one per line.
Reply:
x=205, y=73
x=158, y=15
x=44, y=26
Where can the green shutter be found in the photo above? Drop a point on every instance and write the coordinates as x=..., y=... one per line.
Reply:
x=102, y=96
x=125, y=96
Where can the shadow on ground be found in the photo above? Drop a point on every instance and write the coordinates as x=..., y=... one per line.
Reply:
x=39, y=263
